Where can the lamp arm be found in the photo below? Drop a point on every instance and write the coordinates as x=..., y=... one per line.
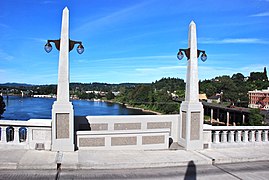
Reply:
x=58, y=42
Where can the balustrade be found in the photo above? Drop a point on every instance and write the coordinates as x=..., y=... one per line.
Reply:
x=10, y=134
x=238, y=135
x=25, y=134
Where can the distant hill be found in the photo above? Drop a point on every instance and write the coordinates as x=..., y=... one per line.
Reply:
x=15, y=85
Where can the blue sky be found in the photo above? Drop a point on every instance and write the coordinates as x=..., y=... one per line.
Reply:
x=132, y=40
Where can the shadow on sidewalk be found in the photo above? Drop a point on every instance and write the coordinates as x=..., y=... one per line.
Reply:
x=191, y=171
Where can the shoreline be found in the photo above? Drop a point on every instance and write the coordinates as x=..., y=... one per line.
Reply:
x=132, y=107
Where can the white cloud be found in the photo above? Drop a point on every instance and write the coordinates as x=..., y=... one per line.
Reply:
x=111, y=18
x=260, y=14
x=48, y=2
x=232, y=41
x=134, y=58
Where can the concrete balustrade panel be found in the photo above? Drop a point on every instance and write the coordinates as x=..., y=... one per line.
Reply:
x=62, y=125
x=123, y=139
x=119, y=141
x=153, y=139
x=195, y=125
x=41, y=134
x=91, y=142
x=127, y=126
x=134, y=122
x=184, y=119
x=99, y=127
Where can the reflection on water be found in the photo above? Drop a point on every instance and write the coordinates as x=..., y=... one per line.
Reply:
x=18, y=108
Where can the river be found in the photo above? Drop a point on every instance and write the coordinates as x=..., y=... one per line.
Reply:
x=18, y=108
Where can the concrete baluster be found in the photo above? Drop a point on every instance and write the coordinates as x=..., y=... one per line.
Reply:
x=27, y=135
x=252, y=136
x=224, y=136
x=238, y=136
x=3, y=134
x=258, y=135
x=16, y=135
x=245, y=136
x=265, y=135
x=231, y=137
x=216, y=137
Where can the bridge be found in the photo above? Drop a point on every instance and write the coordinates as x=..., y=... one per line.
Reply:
x=129, y=141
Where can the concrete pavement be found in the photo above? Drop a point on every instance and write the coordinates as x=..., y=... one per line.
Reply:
x=89, y=159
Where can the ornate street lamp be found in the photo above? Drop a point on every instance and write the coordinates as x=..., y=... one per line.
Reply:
x=48, y=46
x=180, y=55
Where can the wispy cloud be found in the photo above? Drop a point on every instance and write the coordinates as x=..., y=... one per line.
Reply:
x=111, y=18
x=233, y=41
x=260, y=14
x=49, y=2
x=134, y=58
x=4, y=25
x=157, y=69
x=5, y=56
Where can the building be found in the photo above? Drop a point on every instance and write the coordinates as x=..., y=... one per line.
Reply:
x=214, y=99
x=259, y=99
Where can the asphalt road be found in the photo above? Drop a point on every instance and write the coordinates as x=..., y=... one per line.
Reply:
x=250, y=170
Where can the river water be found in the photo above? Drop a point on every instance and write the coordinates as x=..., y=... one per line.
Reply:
x=18, y=108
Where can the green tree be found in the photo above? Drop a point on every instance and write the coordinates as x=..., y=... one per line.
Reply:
x=2, y=106
x=165, y=104
x=255, y=76
x=238, y=77
x=255, y=118
x=140, y=95
x=110, y=95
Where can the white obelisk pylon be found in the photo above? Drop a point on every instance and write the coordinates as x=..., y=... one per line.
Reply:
x=191, y=110
x=62, y=109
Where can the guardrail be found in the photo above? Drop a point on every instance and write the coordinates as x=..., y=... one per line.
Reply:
x=31, y=134
x=235, y=136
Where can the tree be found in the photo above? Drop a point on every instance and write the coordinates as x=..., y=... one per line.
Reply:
x=140, y=95
x=110, y=95
x=255, y=118
x=255, y=76
x=238, y=77
x=2, y=105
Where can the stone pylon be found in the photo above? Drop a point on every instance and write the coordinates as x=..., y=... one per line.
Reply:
x=191, y=110
x=62, y=109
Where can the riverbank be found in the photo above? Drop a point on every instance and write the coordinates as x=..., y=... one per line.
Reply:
x=135, y=108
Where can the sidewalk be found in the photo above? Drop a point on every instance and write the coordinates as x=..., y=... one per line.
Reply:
x=88, y=159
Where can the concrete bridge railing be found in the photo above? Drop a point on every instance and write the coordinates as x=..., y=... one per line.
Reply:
x=31, y=134
x=126, y=132
x=235, y=136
